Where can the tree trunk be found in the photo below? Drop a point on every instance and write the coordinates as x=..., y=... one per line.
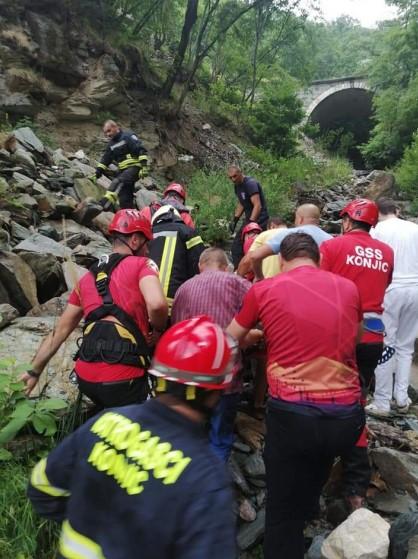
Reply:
x=189, y=21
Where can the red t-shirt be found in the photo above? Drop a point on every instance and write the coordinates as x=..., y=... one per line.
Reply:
x=124, y=287
x=367, y=262
x=310, y=320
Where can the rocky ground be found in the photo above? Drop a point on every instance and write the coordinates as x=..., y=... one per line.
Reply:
x=44, y=250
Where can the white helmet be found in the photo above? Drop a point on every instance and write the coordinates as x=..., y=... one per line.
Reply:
x=163, y=212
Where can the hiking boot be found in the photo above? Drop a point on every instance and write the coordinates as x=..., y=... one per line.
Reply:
x=373, y=410
x=403, y=410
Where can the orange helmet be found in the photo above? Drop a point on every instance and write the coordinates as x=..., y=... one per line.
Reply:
x=362, y=210
x=252, y=226
x=128, y=222
x=195, y=352
x=177, y=188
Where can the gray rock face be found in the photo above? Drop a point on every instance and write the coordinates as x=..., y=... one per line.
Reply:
x=43, y=245
x=250, y=534
x=145, y=197
x=18, y=282
x=398, y=469
x=86, y=188
x=53, y=307
x=7, y=314
x=28, y=139
x=364, y=535
x=48, y=272
x=382, y=184
x=254, y=466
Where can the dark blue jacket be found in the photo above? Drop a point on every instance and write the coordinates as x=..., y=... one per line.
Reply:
x=138, y=482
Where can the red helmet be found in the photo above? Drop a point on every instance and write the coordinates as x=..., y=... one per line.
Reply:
x=195, y=352
x=361, y=210
x=252, y=226
x=128, y=222
x=175, y=187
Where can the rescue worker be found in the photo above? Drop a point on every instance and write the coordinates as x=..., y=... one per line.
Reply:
x=251, y=202
x=401, y=312
x=311, y=319
x=175, y=249
x=173, y=195
x=307, y=219
x=141, y=481
x=270, y=265
x=248, y=235
x=126, y=150
x=369, y=264
x=120, y=299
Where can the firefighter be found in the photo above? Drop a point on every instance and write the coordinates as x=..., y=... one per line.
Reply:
x=141, y=481
x=126, y=150
x=175, y=195
x=120, y=299
x=175, y=249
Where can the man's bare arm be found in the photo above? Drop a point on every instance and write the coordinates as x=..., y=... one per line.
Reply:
x=256, y=259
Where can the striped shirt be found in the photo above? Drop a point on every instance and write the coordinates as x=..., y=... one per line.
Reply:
x=216, y=294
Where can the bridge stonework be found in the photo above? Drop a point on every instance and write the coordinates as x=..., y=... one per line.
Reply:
x=319, y=90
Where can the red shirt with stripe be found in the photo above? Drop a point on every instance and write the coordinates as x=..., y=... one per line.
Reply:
x=310, y=319
x=365, y=261
x=124, y=287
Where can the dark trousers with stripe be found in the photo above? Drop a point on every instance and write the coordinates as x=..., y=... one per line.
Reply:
x=125, y=181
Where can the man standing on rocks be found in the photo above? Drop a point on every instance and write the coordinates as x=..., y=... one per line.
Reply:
x=311, y=319
x=251, y=202
x=400, y=314
x=306, y=220
x=120, y=299
x=141, y=481
x=124, y=149
x=217, y=293
x=368, y=263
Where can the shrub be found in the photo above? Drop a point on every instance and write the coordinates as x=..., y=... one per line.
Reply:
x=407, y=171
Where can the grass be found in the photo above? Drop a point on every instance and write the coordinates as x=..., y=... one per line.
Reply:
x=23, y=535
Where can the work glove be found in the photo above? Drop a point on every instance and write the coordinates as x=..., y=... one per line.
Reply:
x=99, y=172
x=109, y=200
x=233, y=224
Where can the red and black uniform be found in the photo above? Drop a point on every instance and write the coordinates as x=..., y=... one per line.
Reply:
x=310, y=320
x=112, y=382
x=369, y=264
x=150, y=210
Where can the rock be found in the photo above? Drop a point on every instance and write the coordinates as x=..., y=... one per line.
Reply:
x=76, y=108
x=21, y=214
x=403, y=530
x=86, y=188
x=28, y=139
x=48, y=272
x=60, y=159
x=413, y=548
x=250, y=430
x=72, y=273
x=250, y=534
x=364, y=535
x=27, y=201
x=145, y=197
x=389, y=502
x=72, y=228
x=246, y=510
x=398, y=469
x=26, y=333
x=206, y=126
x=85, y=170
x=238, y=477
x=102, y=221
x=43, y=245
x=64, y=206
x=49, y=231
x=53, y=307
x=18, y=281
x=241, y=447
x=18, y=232
x=14, y=103
x=86, y=255
x=382, y=184
x=23, y=158
x=254, y=466
x=21, y=182
x=7, y=314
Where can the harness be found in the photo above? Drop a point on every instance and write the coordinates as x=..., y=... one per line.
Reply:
x=110, y=342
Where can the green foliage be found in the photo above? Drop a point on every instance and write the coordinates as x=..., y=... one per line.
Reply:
x=23, y=535
x=18, y=413
x=407, y=171
x=275, y=116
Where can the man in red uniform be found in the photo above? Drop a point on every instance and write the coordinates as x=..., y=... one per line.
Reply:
x=173, y=195
x=118, y=299
x=369, y=264
x=311, y=319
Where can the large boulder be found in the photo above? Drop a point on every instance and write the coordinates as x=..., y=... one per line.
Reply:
x=49, y=275
x=398, y=469
x=43, y=245
x=7, y=314
x=27, y=333
x=364, y=535
x=85, y=188
x=382, y=184
x=18, y=282
x=73, y=273
x=16, y=103
x=53, y=307
x=29, y=140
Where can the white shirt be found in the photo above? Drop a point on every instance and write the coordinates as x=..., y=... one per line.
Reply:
x=402, y=236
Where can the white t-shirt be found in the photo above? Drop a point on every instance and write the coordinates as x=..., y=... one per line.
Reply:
x=402, y=236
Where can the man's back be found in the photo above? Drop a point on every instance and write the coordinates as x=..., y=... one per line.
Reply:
x=402, y=236
x=310, y=319
x=143, y=482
